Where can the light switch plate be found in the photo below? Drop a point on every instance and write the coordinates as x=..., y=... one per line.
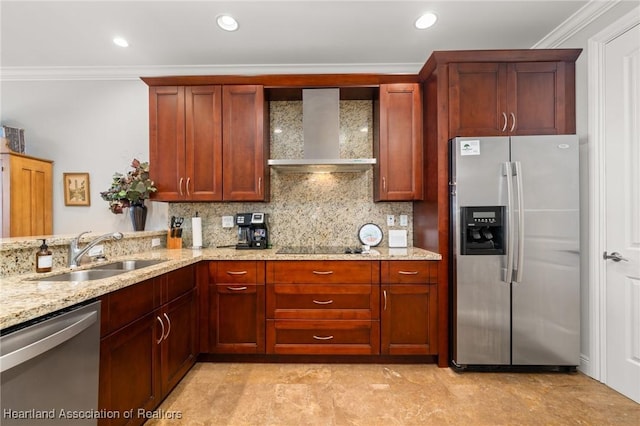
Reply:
x=404, y=220
x=391, y=220
x=155, y=242
x=227, y=221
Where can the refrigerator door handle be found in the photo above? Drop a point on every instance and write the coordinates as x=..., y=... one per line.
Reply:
x=508, y=172
x=520, y=195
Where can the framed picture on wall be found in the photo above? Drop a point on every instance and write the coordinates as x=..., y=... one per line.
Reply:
x=76, y=189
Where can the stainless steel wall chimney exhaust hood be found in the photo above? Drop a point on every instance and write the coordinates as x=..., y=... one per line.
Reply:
x=321, y=126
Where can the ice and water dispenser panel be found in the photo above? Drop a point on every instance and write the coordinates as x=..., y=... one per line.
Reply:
x=482, y=230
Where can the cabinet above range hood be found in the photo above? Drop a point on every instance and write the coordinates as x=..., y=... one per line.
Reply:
x=321, y=128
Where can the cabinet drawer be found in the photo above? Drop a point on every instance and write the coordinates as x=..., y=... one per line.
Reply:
x=409, y=271
x=351, y=337
x=129, y=304
x=235, y=272
x=322, y=301
x=323, y=271
x=179, y=282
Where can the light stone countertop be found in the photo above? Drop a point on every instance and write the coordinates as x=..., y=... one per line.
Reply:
x=23, y=299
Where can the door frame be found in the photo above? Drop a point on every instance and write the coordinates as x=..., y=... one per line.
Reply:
x=596, y=367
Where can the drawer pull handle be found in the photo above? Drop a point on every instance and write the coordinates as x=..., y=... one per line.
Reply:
x=323, y=272
x=384, y=294
x=236, y=288
x=322, y=302
x=408, y=272
x=323, y=337
x=236, y=272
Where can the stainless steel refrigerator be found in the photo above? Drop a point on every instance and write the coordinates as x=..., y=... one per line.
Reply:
x=515, y=261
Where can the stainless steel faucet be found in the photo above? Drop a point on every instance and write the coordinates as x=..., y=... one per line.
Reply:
x=76, y=253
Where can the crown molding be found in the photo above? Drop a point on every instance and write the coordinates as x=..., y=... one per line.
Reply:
x=575, y=23
x=135, y=72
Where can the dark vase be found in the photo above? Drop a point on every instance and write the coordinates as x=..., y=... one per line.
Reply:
x=138, y=214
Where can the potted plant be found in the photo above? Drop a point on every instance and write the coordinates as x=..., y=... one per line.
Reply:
x=131, y=190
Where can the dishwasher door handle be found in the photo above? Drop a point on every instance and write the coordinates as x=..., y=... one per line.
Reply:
x=32, y=350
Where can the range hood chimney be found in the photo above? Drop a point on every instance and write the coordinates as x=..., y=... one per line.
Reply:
x=321, y=126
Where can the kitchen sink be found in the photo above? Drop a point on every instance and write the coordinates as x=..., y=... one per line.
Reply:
x=85, y=275
x=101, y=271
x=129, y=265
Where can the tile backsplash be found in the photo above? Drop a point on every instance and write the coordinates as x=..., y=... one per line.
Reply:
x=308, y=208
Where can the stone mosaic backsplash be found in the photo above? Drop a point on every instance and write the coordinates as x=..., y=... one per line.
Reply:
x=308, y=208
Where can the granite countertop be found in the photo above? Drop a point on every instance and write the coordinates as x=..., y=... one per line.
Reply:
x=24, y=299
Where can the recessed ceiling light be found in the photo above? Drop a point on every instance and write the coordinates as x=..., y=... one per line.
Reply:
x=119, y=41
x=426, y=20
x=227, y=22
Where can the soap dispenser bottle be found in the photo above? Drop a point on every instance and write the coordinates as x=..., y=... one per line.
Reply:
x=44, y=258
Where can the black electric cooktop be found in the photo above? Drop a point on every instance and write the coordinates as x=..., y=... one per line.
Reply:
x=318, y=250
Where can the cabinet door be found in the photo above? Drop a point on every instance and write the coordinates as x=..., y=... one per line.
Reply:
x=536, y=98
x=203, y=178
x=409, y=319
x=237, y=318
x=477, y=99
x=30, y=206
x=167, y=142
x=245, y=146
x=129, y=365
x=179, y=346
x=399, y=144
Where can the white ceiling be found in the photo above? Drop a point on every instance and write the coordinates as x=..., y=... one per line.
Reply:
x=180, y=37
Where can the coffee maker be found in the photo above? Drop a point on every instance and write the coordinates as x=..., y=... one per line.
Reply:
x=252, y=231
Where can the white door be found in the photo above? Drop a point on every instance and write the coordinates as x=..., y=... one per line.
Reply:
x=622, y=213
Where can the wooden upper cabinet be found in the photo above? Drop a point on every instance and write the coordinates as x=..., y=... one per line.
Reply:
x=519, y=98
x=203, y=143
x=245, y=144
x=185, y=145
x=26, y=193
x=398, y=143
x=207, y=143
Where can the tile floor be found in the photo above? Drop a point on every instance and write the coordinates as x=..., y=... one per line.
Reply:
x=398, y=394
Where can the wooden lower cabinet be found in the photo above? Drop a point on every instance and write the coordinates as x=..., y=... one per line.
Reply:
x=235, y=315
x=179, y=346
x=129, y=360
x=409, y=308
x=323, y=308
x=148, y=344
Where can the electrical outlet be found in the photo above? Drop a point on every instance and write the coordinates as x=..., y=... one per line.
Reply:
x=96, y=250
x=404, y=220
x=391, y=220
x=155, y=242
x=227, y=221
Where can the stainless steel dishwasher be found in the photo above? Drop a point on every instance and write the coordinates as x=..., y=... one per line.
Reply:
x=49, y=369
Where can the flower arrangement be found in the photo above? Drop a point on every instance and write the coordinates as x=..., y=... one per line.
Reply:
x=130, y=189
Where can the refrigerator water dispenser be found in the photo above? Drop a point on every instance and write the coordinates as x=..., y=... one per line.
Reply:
x=482, y=230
